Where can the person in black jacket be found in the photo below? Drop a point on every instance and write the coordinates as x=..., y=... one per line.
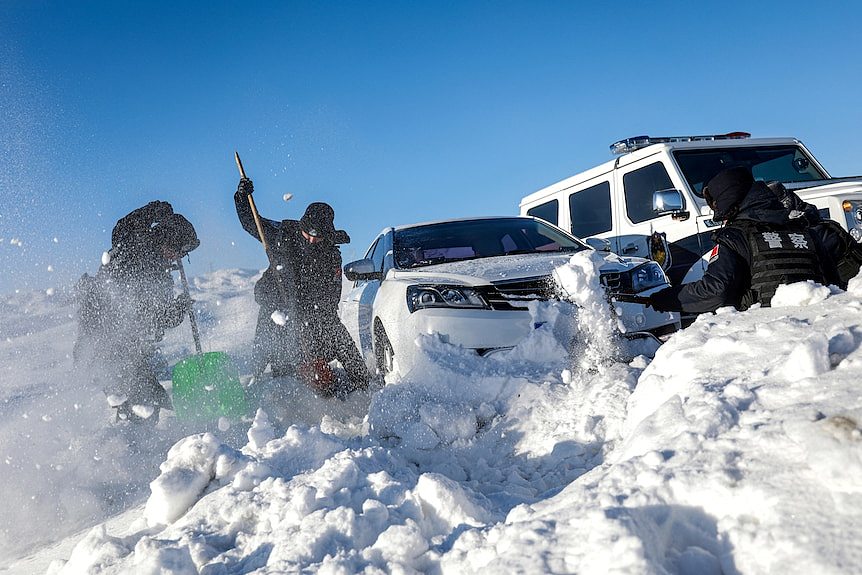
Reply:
x=298, y=329
x=762, y=245
x=126, y=307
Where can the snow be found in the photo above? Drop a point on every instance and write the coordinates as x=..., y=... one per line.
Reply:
x=278, y=317
x=735, y=447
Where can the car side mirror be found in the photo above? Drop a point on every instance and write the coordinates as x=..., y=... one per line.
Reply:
x=362, y=270
x=599, y=244
x=669, y=202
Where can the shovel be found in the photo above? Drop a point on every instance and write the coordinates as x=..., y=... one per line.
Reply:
x=206, y=386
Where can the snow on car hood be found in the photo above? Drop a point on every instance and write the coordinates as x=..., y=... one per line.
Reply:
x=501, y=268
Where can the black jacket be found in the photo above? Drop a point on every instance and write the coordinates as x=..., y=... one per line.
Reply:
x=310, y=274
x=124, y=310
x=728, y=277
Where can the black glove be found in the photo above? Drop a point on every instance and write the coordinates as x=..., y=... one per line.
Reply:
x=245, y=187
x=665, y=300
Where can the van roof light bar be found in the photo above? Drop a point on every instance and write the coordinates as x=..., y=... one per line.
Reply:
x=638, y=142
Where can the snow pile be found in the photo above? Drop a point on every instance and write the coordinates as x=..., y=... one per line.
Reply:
x=193, y=464
x=595, y=322
x=736, y=449
x=800, y=294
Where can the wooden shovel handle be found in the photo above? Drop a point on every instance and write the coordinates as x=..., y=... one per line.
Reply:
x=282, y=291
x=251, y=204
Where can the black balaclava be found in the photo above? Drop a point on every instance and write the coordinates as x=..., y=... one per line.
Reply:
x=726, y=190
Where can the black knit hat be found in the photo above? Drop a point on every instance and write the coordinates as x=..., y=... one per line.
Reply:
x=726, y=190
x=318, y=220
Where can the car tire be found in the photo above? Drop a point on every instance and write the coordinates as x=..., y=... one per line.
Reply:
x=383, y=352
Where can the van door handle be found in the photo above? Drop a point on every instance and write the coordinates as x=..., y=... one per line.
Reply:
x=630, y=248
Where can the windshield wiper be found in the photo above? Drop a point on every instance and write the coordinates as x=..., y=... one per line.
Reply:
x=428, y=262
x=440, y=260
x=534, y=251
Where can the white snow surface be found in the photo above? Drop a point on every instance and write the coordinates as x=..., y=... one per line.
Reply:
x=735, y=449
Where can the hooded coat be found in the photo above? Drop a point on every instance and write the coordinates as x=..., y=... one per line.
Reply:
x=736, y=264
x=125, y=309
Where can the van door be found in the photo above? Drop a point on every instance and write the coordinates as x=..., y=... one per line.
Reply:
x=636, y=220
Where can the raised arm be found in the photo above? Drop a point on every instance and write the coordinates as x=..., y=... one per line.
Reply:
x=246, y=218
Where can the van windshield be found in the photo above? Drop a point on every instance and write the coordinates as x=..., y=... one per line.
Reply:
x=471, y=239
x=768, y=163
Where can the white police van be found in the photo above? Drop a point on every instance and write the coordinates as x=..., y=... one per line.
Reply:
x=648, y=202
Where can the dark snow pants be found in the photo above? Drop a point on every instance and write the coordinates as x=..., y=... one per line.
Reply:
x=320, y=336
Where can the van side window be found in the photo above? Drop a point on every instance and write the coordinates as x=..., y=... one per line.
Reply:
x=639, y=186
x=549, y=211
x=590, y=210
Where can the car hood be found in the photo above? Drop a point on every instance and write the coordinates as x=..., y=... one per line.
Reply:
x=502, y=268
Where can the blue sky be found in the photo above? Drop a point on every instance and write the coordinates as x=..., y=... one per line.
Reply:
x=393, y=112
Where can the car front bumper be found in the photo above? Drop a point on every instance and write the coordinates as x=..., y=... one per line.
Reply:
x=485, y=330
x=638, y=317
x=473, y=328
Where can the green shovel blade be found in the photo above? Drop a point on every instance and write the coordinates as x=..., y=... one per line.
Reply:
x=206, y=386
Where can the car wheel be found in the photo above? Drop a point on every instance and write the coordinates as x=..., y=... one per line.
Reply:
x=383, y=351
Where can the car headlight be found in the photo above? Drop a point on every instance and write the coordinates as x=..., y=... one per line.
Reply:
x=853, y=209
x=853, y=214
x=459, y=297
x=646, y=276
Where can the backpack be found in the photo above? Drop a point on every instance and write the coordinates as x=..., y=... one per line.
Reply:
x=152, y=226
x=136, y=227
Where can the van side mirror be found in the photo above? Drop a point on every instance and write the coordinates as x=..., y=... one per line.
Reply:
x=599, y=244
x=362, y=270
x=669, y=202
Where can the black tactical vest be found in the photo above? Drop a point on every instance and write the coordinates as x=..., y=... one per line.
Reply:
x=780, y=254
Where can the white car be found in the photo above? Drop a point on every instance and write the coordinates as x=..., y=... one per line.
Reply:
x=470, y=280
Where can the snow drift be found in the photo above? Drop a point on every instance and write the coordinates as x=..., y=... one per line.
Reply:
x=736, y=449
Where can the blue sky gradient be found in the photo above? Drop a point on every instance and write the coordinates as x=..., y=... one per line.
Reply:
x=393, y=112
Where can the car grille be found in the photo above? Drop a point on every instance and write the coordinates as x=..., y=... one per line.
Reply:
x=514, y=294
x=616, y=282
x=613, y=281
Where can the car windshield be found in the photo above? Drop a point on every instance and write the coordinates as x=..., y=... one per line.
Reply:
x=768, y=163
x=471, y=239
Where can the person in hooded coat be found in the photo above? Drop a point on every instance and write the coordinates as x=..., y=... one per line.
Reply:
x=763, y=244
x=125, y=309
x=298, y=328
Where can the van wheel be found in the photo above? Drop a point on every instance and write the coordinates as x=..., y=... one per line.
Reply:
x=383, y=351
